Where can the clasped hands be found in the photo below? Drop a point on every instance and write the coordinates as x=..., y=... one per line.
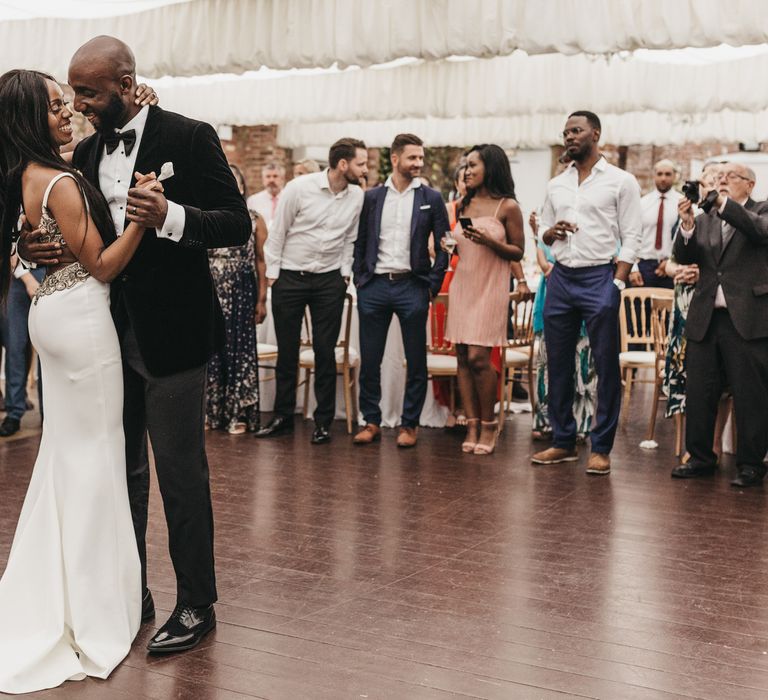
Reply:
x=32, y=250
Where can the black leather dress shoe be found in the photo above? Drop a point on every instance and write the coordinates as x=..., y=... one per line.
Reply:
x=321, y=435
x=147, y=607
x=9, y=426
x=184, y=629
x=691, y=470
x=279, y=425
x=750, y=476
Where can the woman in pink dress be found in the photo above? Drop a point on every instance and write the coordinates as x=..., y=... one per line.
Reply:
x=479, y=294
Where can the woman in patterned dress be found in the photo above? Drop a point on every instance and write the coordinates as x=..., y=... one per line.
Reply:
x=233, y=373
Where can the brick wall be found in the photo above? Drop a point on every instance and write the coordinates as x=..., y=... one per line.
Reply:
x=251, y=148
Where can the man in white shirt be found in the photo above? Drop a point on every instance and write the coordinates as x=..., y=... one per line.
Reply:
x=309, y=262
x=659, y=218
x=394, y=275
x=264, y=203
x=592, y=210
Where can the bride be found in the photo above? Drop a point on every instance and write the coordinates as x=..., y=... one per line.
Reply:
x=70, y=597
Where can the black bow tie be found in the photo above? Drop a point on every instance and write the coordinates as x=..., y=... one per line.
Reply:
x=127, y=137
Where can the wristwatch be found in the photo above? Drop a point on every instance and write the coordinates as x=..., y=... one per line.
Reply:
x=620, y=284
x=521, y=280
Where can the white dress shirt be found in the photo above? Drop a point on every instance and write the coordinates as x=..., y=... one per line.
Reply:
x=606, y=209
x=720, y=302
x=650, y=205
x=395, y=233
x=314, y=230
x=264, y=204
x=115, y=174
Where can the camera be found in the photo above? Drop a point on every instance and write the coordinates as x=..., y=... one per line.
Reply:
x=691, y=190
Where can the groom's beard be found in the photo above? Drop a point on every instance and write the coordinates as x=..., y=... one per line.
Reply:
x=112, y=116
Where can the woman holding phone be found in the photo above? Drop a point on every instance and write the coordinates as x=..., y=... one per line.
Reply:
x=489, y=234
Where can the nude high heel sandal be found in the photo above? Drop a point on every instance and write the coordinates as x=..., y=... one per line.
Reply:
x=469, y=446
x=483, y=449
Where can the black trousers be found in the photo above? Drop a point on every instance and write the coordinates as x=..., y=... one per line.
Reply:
x=292, y=293
x=723, y=358
x=172, y=410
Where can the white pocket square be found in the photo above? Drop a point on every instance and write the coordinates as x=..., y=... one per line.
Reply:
x=425, y=206
x=166, y=171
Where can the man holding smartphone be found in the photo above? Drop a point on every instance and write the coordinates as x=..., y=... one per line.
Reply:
x=592, y=210
x=394, y=275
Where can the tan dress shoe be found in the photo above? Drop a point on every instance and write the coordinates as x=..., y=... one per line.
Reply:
x=370, y=433
x=599, y=464
x=407, y=437
x=555, y=455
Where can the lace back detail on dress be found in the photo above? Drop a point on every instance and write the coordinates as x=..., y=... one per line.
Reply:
x=67, y=276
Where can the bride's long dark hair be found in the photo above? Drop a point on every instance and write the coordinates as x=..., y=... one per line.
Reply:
x=25, y=137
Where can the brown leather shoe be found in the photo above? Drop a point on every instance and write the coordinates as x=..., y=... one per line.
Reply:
x=407, y=437
x=370, y=433
x=555, y=455
x=599, y=464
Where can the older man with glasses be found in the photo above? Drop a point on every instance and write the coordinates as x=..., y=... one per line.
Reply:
x=727, y=325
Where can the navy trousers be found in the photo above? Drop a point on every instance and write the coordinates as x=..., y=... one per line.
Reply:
x=16, y=339
x=377, y=301
x=647, y=270
x=575, y=295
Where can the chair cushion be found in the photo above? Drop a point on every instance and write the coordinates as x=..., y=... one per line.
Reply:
x=441, y=363
x=307, y=357
x=516, y=357
x=267, y=349
x=638, y=357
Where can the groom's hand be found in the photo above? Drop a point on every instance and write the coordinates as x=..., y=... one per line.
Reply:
x=147, y=207
x=32, y=250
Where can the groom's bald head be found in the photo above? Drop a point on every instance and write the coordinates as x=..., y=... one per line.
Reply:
x=102, y=74
x=109, y=55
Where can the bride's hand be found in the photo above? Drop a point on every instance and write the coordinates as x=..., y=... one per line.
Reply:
x=148, y=182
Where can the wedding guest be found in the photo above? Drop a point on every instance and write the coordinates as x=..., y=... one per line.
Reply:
x=395, y=275
x=727, y=323
x=233, y=372
x=309, y=261
x=305, y=167
x=659, y=212
x=16, y=341
x=590, y=208
x=585, y=380
x=479, y=294
x=264, y=203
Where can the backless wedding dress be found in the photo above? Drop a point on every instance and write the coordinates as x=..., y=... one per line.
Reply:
x=70, y=597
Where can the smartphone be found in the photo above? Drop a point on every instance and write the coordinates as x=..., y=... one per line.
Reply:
x=465, y=222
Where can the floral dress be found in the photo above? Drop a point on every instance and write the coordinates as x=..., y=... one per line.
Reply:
x=674, y=366
x=233, y=373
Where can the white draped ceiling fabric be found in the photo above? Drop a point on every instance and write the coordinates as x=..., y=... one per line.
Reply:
x=531, y=62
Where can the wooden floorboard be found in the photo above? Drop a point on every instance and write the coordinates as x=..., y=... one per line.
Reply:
x=372, y=572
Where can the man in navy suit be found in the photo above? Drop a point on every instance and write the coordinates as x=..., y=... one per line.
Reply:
x=395, y=275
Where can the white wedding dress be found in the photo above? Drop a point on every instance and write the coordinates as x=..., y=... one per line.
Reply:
x=70, y=597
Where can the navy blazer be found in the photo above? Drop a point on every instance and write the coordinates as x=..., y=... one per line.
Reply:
x=429, y=216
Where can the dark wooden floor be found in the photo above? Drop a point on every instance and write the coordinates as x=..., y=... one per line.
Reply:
x=375, y=573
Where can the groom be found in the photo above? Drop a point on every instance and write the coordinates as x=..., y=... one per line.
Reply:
x=165, y=309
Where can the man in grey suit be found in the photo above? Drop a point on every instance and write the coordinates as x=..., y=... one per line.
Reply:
x=727, y=324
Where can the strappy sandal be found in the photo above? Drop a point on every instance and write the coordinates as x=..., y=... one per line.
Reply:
x=469, y=446
x=483, y=449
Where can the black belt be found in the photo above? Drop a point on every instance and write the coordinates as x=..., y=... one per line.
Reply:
x=395, y=276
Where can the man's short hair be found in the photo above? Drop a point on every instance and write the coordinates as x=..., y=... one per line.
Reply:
x=344, y=149
x=403, y=140
x=665, y=163
x=273, y=166
x=591, y=117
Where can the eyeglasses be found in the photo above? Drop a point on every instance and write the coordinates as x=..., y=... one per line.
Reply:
x=731, y=175
x=58, y=106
